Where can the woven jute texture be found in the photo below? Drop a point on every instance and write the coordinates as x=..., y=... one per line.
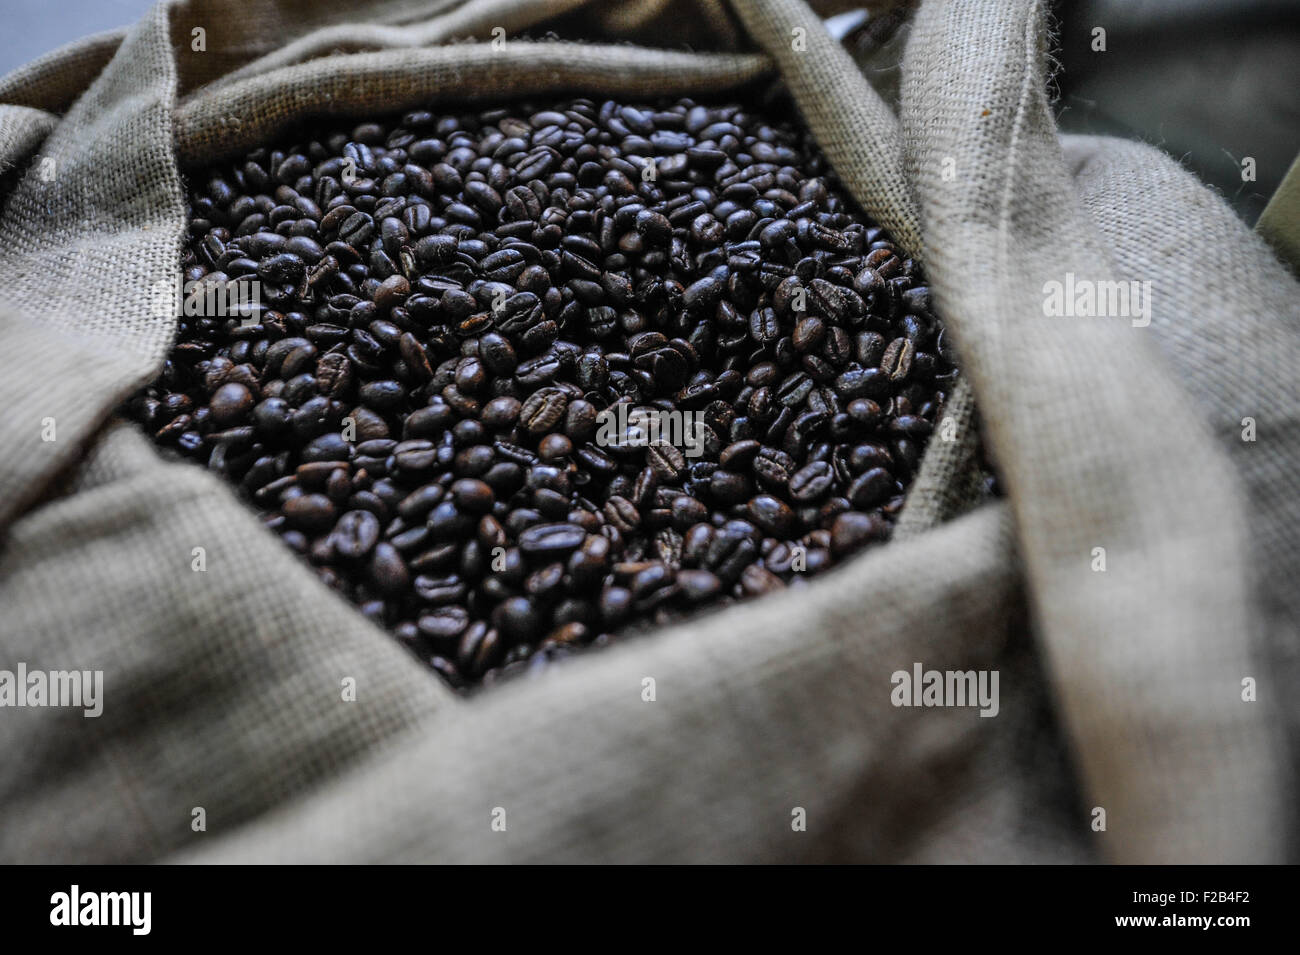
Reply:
x=1133, y=589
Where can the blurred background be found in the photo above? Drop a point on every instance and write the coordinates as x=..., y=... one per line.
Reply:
x=1211, y=82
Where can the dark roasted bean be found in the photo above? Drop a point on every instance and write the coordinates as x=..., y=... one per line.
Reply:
x=230, y=403
x=870, y=488
x=445, y=623
x=812, y=482
x=773, y=516
x=542, y=411
x=452, y=301
x=551, y=538
x=897, y=359
x=854, y=529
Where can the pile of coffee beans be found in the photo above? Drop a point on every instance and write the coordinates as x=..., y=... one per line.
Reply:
x=425, y=402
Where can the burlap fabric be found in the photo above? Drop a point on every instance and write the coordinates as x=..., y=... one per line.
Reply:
x=1121, y=689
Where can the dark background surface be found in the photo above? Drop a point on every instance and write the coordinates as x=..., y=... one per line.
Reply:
x=1209, y=81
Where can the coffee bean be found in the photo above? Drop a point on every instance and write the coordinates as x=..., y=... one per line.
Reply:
x=865, y=412
x=665, y=460
x=863, y=383
x=554, y=447
x=870, y=488
x=728, y=487
x=392, y=291
x=551, y=538
x=841, y=305
x=517, y=619
x=230, y=403
x=654, y=226
x=731, y=550
x=652, y=584
x=809, y=333
x=812, y=482
x=500, y=414
x=587, y=565
x=687, y=511
x=757, y=580
x=854, y=529
x=698, y=586
x=439, y=591
x=773, y=516
x=472, y=495
x=310, y=512
x=869, y=455
x=498, y=353
x=415, y=356
x=417, y=411
x=356, y=229
x=622, y=514
x=445, y=623
x=764, y=326
x=334, y=374
x=897, y=359
x=542, y=411
x=773, y=469
x=384, y=395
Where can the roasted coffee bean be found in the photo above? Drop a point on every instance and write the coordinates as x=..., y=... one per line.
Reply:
x=773, y=516
x=687, y=511
x=445, y=623
x=773, y=469
x=808, y=334
x=651, y=584
x=764, y=326
x=498, y=353
x=387, y=570
x=731, y=549
x=334, y=374
x=698, y=586
x=440, y=591
x=865, y=412
x=870, y=488
x=897, y=359
x=869, y=455
x=665, y=460
x=500, y=414
x=542, y=411
x=517, y=619
x=428, y=407
x=757, y=580
x=386, y=395
x=739, y=454
x=728, y=487
x=863, y=383
x=654, y=226
x=622, y=514
x=310, y=512
x=812, y=482
x=230, y=403
x=551, y=539
x=472, y=496
x=854, y=529
x=554, y=447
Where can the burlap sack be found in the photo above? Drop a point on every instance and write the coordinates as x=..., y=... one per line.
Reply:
x=1121, y=689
